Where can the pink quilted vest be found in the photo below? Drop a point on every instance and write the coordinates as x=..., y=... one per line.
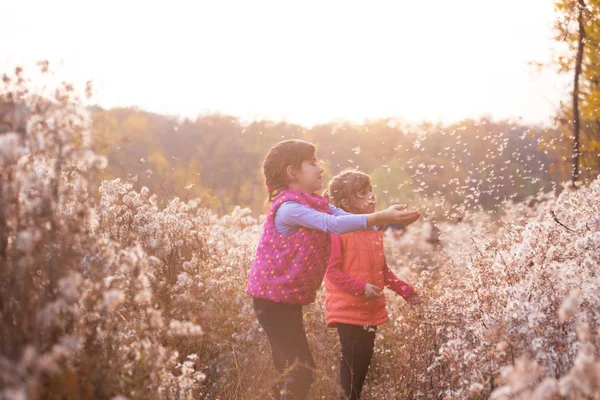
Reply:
x=290, y=269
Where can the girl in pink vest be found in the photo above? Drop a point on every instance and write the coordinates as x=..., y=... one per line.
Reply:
x=292, y=255
x=356, y=276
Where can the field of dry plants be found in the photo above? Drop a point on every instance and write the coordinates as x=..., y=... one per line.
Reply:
x=115, y=296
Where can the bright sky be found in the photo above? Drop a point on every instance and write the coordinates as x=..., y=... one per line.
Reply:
x=304, y=61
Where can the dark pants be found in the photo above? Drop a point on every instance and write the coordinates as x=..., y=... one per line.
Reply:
x=357, y=350
x=284, y=327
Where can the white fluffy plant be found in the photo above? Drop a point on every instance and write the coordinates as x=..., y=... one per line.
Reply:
x=127, y=298
x=44, y=204
x=76, y=309
x=506, y=311
x=499, y=297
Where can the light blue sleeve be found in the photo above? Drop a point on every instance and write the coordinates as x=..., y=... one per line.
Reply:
x=337, y=211
x=291, y=215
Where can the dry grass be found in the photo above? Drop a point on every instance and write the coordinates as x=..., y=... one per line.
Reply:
x=119, y=298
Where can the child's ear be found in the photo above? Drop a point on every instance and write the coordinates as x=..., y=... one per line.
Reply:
x=345, y=204
x=290, y=173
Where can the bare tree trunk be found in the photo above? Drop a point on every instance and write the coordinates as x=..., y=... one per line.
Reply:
x=576, y=116
x=3, y=234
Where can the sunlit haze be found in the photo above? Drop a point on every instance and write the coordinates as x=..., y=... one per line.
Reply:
x=305, y=62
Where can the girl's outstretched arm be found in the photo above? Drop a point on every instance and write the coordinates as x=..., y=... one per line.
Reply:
x=399, y=286
x=396, y=284
x=291, y=215
x=333, y=210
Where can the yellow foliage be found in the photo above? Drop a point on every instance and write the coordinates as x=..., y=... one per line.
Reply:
x=159, y=162
x=135, y=127
x=567, y=29
x=105, y=133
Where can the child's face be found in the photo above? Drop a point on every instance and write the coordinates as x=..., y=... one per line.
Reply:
x=309, y=177
x=364, y=202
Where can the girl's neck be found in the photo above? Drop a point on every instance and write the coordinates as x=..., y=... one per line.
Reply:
x=294, y=185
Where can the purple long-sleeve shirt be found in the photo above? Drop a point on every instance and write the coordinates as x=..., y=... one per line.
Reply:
x=291, y=215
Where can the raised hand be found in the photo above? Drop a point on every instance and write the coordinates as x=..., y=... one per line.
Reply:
x=398, y=215
x=414, y=299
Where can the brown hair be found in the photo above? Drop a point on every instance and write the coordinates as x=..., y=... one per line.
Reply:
x=289, y=152
x=346, y=186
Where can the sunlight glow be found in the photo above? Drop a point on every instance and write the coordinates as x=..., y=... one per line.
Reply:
x=305, y=62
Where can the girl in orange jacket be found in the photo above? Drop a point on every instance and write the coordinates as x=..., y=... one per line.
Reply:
x=356, y=275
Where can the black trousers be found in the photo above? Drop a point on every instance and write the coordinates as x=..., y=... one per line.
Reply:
x=284, y=327
x=357, y=343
